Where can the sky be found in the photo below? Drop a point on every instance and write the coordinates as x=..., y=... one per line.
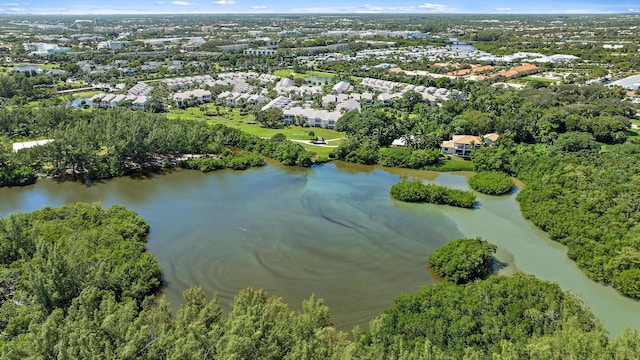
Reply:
x=80, y=7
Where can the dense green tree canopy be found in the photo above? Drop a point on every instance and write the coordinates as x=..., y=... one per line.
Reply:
x=415, y=191
x=270, y=118
x=463, y=260
x=76, y=282
x=491, y=182
x=457, y=319
x=585, y=196
x=115, y=142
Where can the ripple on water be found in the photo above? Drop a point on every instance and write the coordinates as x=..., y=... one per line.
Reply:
x=333, y=231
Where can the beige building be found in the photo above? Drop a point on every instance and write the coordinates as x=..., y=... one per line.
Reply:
x=464, y=145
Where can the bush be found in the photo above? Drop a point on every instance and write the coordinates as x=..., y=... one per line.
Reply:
x=491, y=183
x=17, y=176
x=463, y=260
x=408, y=158
x=243, y=160
x=415, y=191
x=279, y=137
x=236, y=161
x=453, y=165
x=480, y=318
x=628, y=283
x=203, y=164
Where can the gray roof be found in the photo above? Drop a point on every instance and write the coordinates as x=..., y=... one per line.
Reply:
x=631, y=82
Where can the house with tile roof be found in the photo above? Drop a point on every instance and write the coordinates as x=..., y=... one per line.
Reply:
x=461, y=145
x=464, y=145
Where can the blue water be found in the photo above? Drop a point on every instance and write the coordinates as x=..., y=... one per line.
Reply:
x=28, y=68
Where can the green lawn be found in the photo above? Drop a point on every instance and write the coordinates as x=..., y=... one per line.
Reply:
x=42, y=66
x=530, y=79
x=84, y=94
x=455, y=164
x=288, y=72
x=232, y=118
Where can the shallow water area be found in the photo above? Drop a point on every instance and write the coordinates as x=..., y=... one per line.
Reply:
x=331, y=230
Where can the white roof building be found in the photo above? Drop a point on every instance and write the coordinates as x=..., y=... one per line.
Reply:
x=29, y=144
x=140, y=89
x=141, y=101
x=280, y=102
x=199, y=94
x=342, y=87
x=630, y=83
x=315, y=118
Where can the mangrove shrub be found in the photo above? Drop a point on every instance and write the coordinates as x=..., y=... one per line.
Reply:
x=415, y=191
x=463, y=260
x=480, y=318
x=491, y=183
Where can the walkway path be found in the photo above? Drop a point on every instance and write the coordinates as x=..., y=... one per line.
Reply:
x=321, y=145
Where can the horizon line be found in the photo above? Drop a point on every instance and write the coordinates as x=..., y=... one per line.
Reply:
x=325, y=13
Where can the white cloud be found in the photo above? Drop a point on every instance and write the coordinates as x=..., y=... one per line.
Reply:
x=11, y=4
x=224, y=2
x=160, y=2
x=434, y=7
x=257, y=7
x=503, y=9
x=183, y=3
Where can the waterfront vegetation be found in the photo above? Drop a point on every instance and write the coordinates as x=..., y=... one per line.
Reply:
x=463, y=260
x=78, y=283
x=234, y=118
x=227, y=160
x=585, y=196
x=548, y=135
x=416, y=191
x=491, y=183
x=103, y=144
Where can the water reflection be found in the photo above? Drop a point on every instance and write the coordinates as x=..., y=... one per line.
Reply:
x=332, y=230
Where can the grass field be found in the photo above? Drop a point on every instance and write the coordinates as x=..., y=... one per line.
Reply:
x=232, y=118
x=288, y=72
x=455, y=164
x=532, y=79
x=84, y=94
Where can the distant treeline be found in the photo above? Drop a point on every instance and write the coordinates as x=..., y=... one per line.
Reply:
x=531, y=116
x=104, y=144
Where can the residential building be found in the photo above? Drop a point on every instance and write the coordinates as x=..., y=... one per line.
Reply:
x=141, y=102
x=198, y=94
x=260, y=52
x=233, y=47
x=491, y=138
x=44, y=49
x=342, y=87
x=464, y=145
x=140, y=89
x=629, y=83
x=386, y=98
x=280, y=102
x=461, y=145
x=112, y=45
x=312, y=117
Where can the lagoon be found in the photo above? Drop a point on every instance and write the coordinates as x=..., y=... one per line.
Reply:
x=331, y=230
